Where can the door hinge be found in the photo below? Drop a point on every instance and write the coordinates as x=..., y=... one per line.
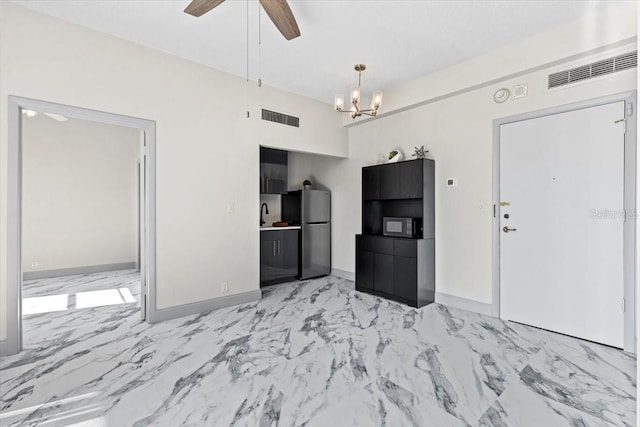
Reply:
x=494, y=210
x=629, y=109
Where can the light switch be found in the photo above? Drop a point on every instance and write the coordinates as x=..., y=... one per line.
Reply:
x=229, y=207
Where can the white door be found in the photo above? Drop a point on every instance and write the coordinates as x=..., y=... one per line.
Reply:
x=561, y=189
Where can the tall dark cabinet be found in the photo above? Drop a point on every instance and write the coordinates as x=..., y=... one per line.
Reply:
x=402, y=269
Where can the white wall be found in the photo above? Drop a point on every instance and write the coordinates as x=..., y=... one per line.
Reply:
x=207, y=150
x=80, y=193
x=615, y=23
x=458, y=133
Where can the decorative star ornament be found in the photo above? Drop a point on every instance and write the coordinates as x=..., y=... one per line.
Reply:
x=420, y=153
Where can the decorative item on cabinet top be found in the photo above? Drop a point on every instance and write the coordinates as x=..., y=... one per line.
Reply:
x=420, y=153
x=395, y=156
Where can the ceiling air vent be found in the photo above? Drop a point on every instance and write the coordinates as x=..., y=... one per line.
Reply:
x=589, y=71
x=273, y=116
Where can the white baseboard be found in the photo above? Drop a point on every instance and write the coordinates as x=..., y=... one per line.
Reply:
x=204, y=306
x=45, y=274
x=343, y=274
x=464, y=304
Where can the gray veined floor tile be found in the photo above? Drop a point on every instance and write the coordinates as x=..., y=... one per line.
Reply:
x=520, y=406
x=587, y=381
x=314, y=353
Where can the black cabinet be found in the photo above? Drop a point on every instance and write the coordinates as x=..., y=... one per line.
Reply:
x=278, y=256
x=403, y=189
x=398, y=268
x=402, y=180
x=270, y=262
x=383, y=273
x=390, y=181
x=364, y=269
x=405, y=278
x=370, y=183
x=288, y=249
x=273, y=171
x=411, y=179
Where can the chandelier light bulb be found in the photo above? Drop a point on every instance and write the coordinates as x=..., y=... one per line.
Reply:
x=355, y=95
x=376, y=100
x=339, y=103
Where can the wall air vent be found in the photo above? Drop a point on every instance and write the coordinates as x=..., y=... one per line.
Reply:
x=589, y=71
x=273, y=116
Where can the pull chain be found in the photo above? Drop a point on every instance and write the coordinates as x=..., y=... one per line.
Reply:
x=247, y=86
x=247, y=41
x=259, y=45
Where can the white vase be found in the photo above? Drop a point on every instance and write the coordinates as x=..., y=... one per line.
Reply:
x=396, y=158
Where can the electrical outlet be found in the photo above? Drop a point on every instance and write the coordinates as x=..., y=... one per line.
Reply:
x=230, y=208
x=34, y=265
x=224, y=287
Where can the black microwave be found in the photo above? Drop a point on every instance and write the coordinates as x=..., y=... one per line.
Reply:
x=402, y=227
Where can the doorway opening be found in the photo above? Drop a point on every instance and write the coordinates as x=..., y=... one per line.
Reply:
x=564, y=225
x=81, y=219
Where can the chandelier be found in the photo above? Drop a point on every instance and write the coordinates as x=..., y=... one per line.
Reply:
x=354, y=94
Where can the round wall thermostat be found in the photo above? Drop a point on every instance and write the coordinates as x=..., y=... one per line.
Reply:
x=501, y=95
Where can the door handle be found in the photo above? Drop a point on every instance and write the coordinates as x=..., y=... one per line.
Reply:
x=274, y=248
x=279, y=247
x=508, y=229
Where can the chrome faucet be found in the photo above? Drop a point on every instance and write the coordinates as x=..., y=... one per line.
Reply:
x=264, y=205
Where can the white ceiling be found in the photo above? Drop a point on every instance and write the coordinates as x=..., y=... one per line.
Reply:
x=398, y=40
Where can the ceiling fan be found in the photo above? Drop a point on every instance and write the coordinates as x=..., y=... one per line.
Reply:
x=278, y=10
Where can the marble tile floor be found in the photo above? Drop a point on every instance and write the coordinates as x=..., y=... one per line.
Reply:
x=311, y=353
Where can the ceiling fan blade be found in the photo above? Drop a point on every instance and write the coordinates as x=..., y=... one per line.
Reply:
x=200, y=7
x=281, y=15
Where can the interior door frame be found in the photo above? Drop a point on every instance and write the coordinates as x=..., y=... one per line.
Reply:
x=147, y=242
x=630, y=229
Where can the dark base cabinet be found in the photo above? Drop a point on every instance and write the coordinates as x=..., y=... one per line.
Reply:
x=278, y=256
x=396, y=268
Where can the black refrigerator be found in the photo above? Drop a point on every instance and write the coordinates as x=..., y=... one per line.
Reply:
x=311, y=209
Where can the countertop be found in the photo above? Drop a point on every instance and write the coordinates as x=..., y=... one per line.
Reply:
x=271, y=228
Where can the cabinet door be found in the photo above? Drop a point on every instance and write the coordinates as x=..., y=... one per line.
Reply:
x=364, y=269
x=383, y=273
x=270, y=261
x=405, y=278
x=371, y=183
x=411, y=180
x=273, y=171
x=288, y=250
x=390, y=181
